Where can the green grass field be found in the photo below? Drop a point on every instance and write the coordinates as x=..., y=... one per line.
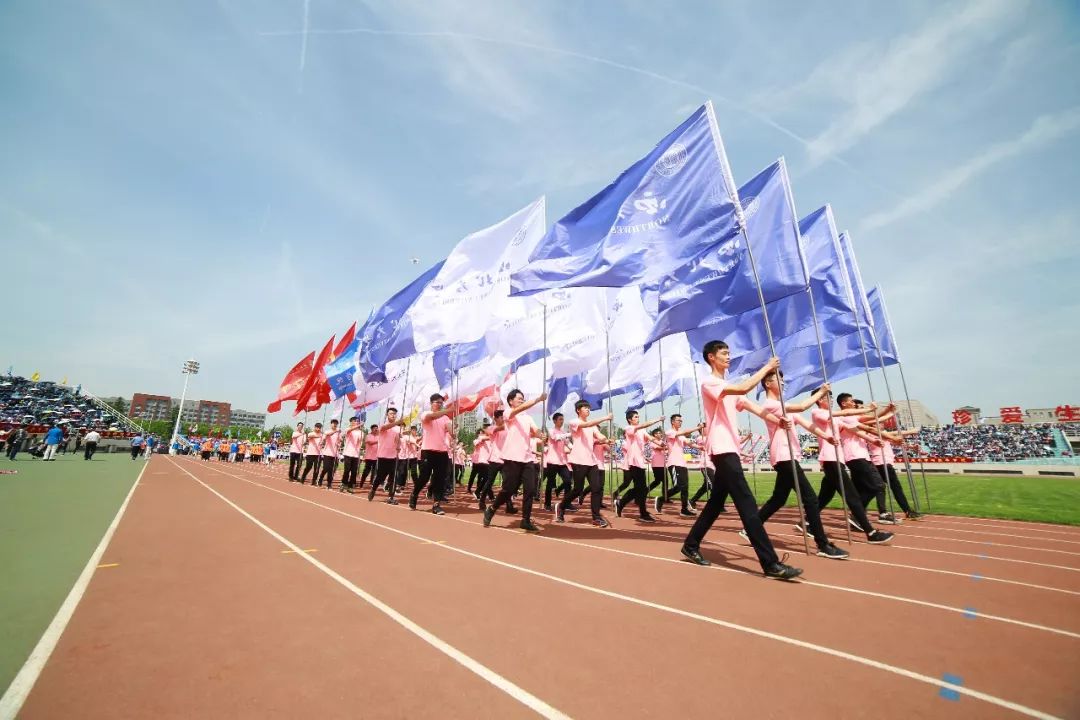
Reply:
x=52, y=517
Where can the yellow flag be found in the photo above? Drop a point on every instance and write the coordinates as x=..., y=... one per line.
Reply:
x=36, y=376
x=413, y=415
x=64, y=381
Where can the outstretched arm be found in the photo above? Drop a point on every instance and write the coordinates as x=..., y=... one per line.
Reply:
x=528, y=404
x=801, y=406
x=598, y=421
x=766, y=415
x=745, y=386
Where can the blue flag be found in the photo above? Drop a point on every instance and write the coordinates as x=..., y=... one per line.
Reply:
x=450, y=358
x=858, y=291
x=340, y=374
x=387, y=334
x=883, y=331
x=717, y=294
x=663, y=211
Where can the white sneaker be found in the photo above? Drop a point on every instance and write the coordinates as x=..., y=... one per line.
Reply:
x=744, y=536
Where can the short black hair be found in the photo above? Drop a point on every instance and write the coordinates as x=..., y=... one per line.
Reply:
x=556, y=416
x=764, y=379
x=711, y=347
x=513, y=394
x=859, y=403
x=318, y=426
x=582, y=404
x=435, y=396
x=334, y=423
x=299, y=424
x=841, y=398
x=391, y=410
x=673, y=417
x=630, y=414
x=374, y=426
x=498, y=414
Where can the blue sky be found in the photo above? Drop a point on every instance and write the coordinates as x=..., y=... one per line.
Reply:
x=205, y=179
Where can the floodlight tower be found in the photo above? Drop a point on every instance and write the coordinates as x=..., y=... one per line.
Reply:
x=190, y=368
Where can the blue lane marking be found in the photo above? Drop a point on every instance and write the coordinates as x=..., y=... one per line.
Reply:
x=976, y=576
x=949, y=693
x=971, y=613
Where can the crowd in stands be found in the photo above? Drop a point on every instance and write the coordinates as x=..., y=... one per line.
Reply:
x=987, y=443
x=24, y=402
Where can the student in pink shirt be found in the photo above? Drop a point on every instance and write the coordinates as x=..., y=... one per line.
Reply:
x=672, y=451
x=312, y=453
x=354, y=438
x=330, y=451
x=582, y=457
x=855, y=444
x=437, y=441
x=408, y=454
x=634, y=455
x=497, y=434
x=785, y=454
x=387, y=455
x=882, y=457
x=519, y=461
x=371, y=454
x=296, y=452
x=555, y=463
x=480, y=455
x=721, y=402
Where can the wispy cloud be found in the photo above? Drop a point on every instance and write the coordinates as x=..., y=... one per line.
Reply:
x=1045, y=130
x=874, y=82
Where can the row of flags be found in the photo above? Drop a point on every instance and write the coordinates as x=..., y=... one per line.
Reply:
x=619, y=296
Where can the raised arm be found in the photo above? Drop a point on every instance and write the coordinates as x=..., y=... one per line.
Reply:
x=528, y=404
x=803, y=405
x=745, y=386
x=806, y=425
x=598, y=421
x=689, y=431
x=766, y=415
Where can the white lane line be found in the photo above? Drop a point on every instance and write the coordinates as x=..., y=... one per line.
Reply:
x=518, y=693
x=903, y=672
x=23, y=683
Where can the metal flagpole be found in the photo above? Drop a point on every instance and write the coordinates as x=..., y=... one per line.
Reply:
x=701, y=419
x=543, y=407
x=663, y=415
x=611, y=408
x=922, y=468
x=753, y=454
x=397, y=454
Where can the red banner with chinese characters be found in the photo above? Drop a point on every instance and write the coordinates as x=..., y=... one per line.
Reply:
x=1067, y=413
x=1011, y=415
x=961, y=417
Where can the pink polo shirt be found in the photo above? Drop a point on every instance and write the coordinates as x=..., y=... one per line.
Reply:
x=600, y=450
x=388, y=441
x=634, y=446
x=659, y=457
x=407, y=448
x=721, y=427
x=676, y=449
x=518, y=446
x=314, y=443
x=882, y=455
x=436, y=432
x=481, y=449
x=296, y=445
x=778, y=439
x=820, y=419
x=555, y=453
x=330, y=444
x=353, y=439
x=371, y=446
x=582, y=451
x=498, y=437
x=855, y=447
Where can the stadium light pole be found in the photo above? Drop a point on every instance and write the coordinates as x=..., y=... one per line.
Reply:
x=190, y=368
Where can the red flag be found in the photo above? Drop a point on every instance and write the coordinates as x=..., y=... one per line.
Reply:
x=293, y=382
x=344, y=342
x=468, y=403
x=306, y=398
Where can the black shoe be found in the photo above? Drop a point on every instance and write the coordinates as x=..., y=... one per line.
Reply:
x=600, y=522
x=780, y=571
x=528, y=526
x=489, y=513
x=436, y=510
x=391, y=501
x=658, y=505
x=371, y=494
x=548, y=507
x=412, y=503
x=511, y=510
x=618, y=509
x=879, y=537
x=832, y=552
x=695, y=557
x=687, y=512
x=646, y=518
x=560, y=515
x=913, y=515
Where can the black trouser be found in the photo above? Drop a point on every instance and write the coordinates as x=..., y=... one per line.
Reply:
x=635, y=475
x=660, y=477
x=135, y=452
x=551, y=472
x=867, y=480
x=835, y=473
x=384, y=472
x=349, y=466
x=707, y=486
x=479, y=471
x=581, y=473
x=785, y=483
x=888, y=474
x=206, y=455
x=369, y=469
x=90, y=449
x=406, y=467
x=327, y=468
x=486, y=488
x=729, y=477
x=312, y=463
x=434, y=466
x=296, y=461
x=13, y=449
x=627, y=480
x=518, y=474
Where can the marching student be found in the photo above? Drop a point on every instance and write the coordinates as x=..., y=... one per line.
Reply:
x=354, y=436
x=634, y=456
x=312, y=452
x=835, y=472
x=721, y=402
x=496, y=433
x=371, y=454
x=434, y=453
x=782, y=456
x=555, y=462
x=882, y=457
x=207, y=449
x=389, y=434
x=331, y=448
x=519, y=461
x=674, y=452
x=296, y=452
x=480, y=454
x=856, y=444
x=584, y=465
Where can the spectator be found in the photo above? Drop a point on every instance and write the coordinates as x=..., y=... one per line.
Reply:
x=136, y=446
x=90, y=443
x=53, y=439
x=15, y=441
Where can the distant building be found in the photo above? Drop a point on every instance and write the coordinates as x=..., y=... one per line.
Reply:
x=469, y=422
x=150, y=407
x=211, y=412
x=914, y=414
x=246, y=418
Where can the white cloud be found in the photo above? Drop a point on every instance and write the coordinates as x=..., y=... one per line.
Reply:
x=1045, y=130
